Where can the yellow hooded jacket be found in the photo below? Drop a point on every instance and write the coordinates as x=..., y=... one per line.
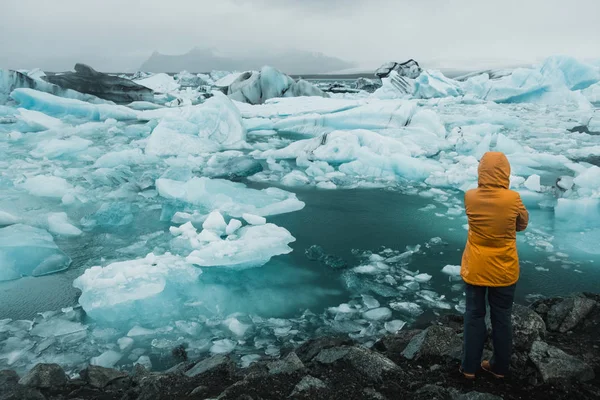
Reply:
x=495, y=216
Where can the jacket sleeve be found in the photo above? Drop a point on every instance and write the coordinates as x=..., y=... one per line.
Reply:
x=522, y=216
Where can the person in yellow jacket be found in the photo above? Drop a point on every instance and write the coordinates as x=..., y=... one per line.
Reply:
x=490, y=264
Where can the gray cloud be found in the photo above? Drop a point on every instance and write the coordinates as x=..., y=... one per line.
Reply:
x=119, y=34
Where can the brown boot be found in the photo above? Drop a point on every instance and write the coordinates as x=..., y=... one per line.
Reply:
x=486, y=366
x=466, y=375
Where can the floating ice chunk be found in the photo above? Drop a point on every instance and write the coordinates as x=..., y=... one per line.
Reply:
x=378, y=314
x=432, y=84
x=253, y=247
x=422, y=278
x=124, y=157
x=143, y=288
x=57, y=327
x=228, y=197
x=215, y=222
x=590, y=178
x=109, y=214
x=370, y=301
x=58, y=224
x=344, y=308
x=8, y=219
x=125, y=343
x=160, y=83
x=145, y=362
x=108, y=359
x=140, y=331
x=55, y=148
x=38, y=121
x=47, y=186
x=394, y=326
x=59, y=106
x=407, y=307
x=233, y=226
x=295, y=178
x=452, y=270
x=216, y=124
x=565, y=182
x=223, y=346
x=29, y=251
x=533, y=183
x=236, y=327
x=254, y=219
x=249, y=359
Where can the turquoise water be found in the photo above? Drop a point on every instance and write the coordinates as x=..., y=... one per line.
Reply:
x=340, y=221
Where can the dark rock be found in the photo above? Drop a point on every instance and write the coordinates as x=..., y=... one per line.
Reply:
x=199, y=391
x=308, y=350
x=456, y=395
x=45, y=376
x=314, y=253
x=19, y=392
x=555, y=364
x=8, y=377
x=409, y=69
x=372, y=394
x=100, y=377
x=567, y=314
x=369, y=363
x=156, y=386
x=396, y=343
x=87, y=80
x=291, y=363
x=439, y=341
x=179, y=353
x=432, y=392
x=209, y=364
x=528, y=327
x=308, y=383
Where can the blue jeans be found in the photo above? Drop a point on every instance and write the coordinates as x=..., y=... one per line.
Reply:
x=475, y=333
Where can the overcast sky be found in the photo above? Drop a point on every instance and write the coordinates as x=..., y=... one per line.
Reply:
x=118, y=35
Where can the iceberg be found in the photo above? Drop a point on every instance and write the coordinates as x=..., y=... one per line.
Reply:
x=160, y=83
x=113, y=88
x=410, y=69
x=253, y=246
x=29, y=251
x=47, y=186
x=145, y=288
x=60, y=148
x=212, y=126
x=233, y=199
x=62, y=107
x=59, y=224
x=255, y=87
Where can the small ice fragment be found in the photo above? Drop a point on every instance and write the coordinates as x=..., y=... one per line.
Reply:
x=57, y=327
x=8, y=219
x=412, y=285
x=215, y=222
x=394, y=326
x=451, y=270
x=125, y=343
x=370, y=301
x=542, y=269
x=249, y=359
x=59, y=224
x=254, y=219
x=139, y=331
x=422, y=278
x=108, y=359
x=233, y=226
x=236, y=327
x=407, y=307
x=222, y=346
x=145, y=362
x=533, y=183
x=378, y=314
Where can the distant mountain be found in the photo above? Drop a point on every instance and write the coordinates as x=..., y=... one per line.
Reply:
x=206, y=60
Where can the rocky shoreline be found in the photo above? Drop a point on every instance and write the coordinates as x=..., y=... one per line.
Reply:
x=557, y=356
